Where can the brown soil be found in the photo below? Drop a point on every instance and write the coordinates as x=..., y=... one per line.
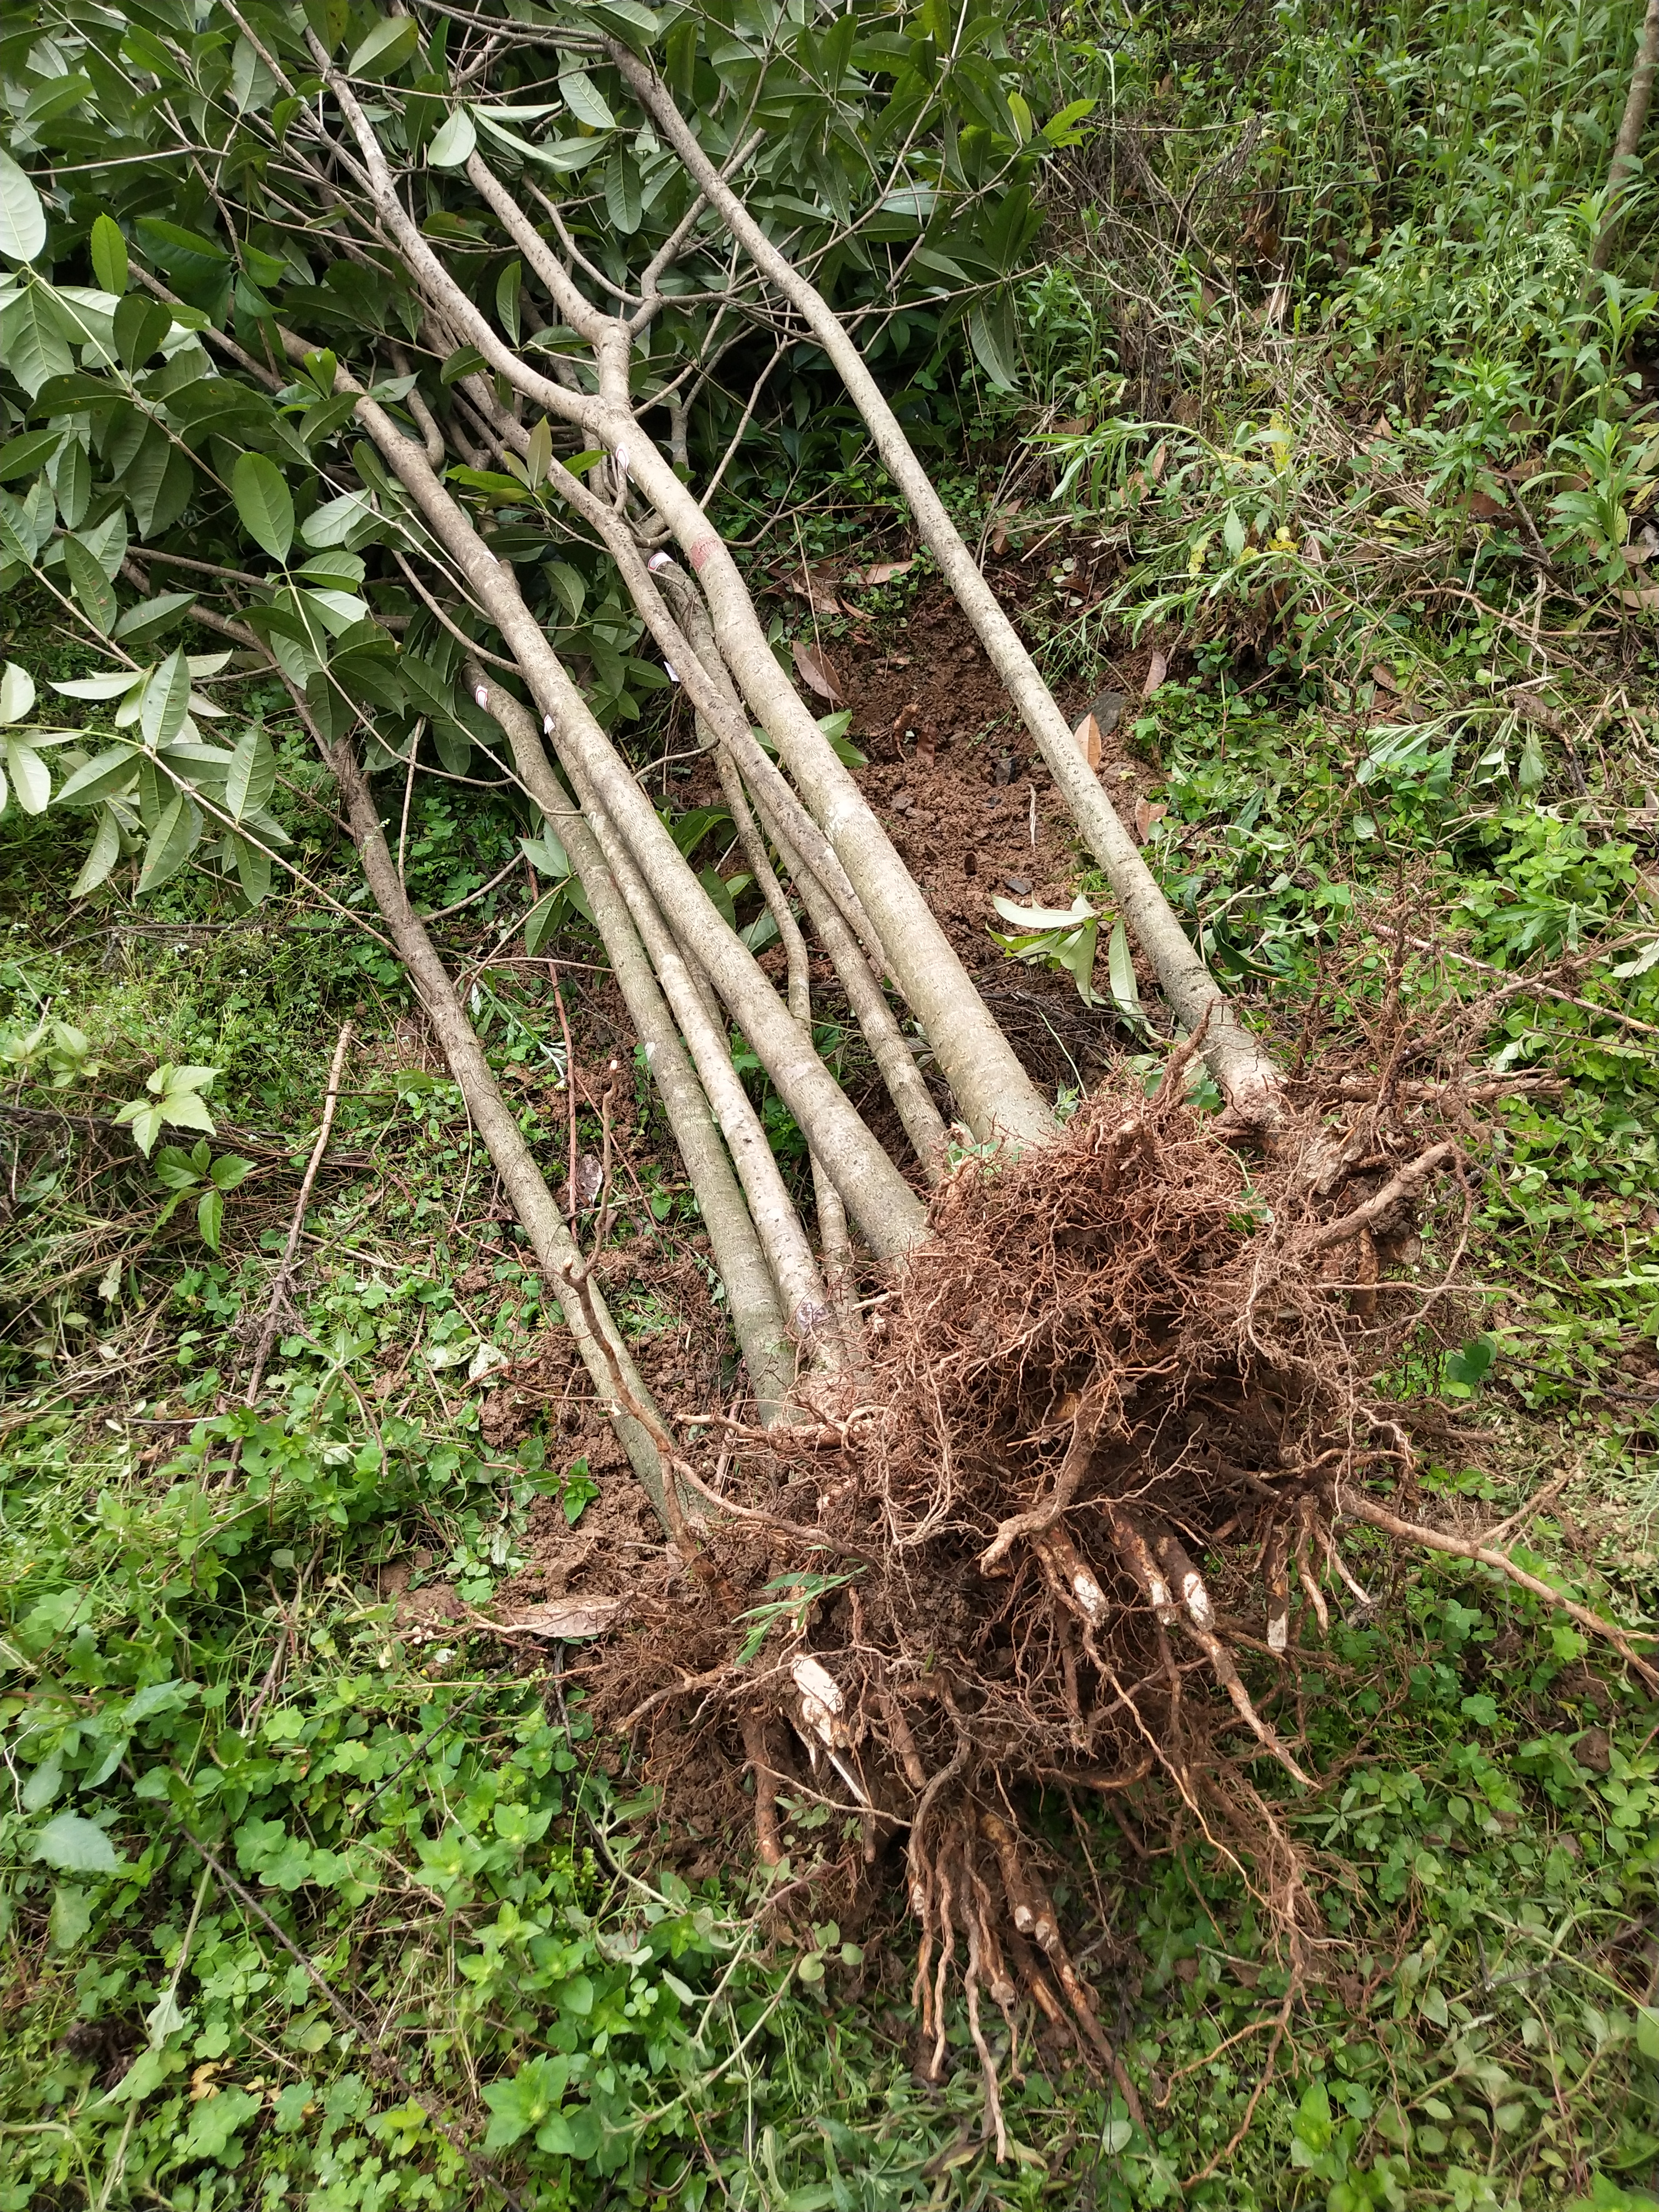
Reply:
x=971, y=808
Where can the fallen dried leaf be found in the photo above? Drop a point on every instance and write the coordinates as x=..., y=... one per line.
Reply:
x=1087, y=735
x=812, y=666
x=589, y=1178
x=1532, y=708
x=884, y=571
x=817, y=586
x=1148, y=814
x=1648, y=596
x=1482, y=508
x=1000, y=538
x=570, y=1618
x=1157, y=669
x=1384, y=678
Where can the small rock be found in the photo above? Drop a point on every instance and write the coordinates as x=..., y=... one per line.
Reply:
x=1106, y=709
x=1020, y=885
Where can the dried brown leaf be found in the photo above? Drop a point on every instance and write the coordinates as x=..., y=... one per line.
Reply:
x=1087, y=735
x=569, y=1618
x=812, y=666
x=1157, y=669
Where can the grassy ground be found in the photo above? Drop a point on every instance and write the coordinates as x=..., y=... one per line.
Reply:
x=301, y=1906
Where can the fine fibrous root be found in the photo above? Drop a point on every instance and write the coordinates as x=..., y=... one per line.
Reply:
x=1077, y=1518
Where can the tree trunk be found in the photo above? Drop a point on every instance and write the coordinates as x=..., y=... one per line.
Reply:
x=1237, y=1059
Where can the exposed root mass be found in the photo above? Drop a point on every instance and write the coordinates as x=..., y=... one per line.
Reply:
x=1113, y=1428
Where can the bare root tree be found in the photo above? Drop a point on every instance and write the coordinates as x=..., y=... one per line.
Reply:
x=390, y=351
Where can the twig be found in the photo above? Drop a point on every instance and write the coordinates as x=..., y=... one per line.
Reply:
x=1534, y=1505
x=284, y=1272
x=1226, y=2152
x=570, y=1091
x=1459, y=1548
x=1519, y=986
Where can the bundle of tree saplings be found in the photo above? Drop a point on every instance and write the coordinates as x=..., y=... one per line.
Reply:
x=404, y=354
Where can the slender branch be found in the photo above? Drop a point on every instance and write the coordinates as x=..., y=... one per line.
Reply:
x=1360, y=1508
x=1625, y=164
x=285, y=1270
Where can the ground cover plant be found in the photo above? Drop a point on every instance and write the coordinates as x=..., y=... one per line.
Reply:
x=647, y=1559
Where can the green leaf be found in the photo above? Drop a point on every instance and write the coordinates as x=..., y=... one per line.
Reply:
x=253, y=870
x=465, y=361
x=585, y=101
x=230, y=1169
x=541, y=920
x=71, y=1916
x=72, y=482
x=177, y=1169
x=579, y=1491
x=1061, y=128
x=105, y=852
x=1313, y=2125
x=387, y=48
x=508, y=285
x=90, y=585
x=527, y=2101
x=31, y=778
x=1647, y=2030
x=1120, y=975
x=1234, y=533
x=141, y=621
x=538, y=458
x=174, y=839
x=209, y=1217
x=145, y=2076
x=44, y=1785
x=215, y=2120
x=31, y=341
x=1470, y=1366
x=452, y=142
x=637, y=26
x=166, y=701
x=100, y=779
x=107, y=542
x=21, y=457
x=108, y=249
x=22, y=214
x=340, y=521
x=16, y=692
x=144, y=1119
x=992, y=339
x=141, y=328
x=263, y=502
x=252, y=776
x=623, y=197
x=76, y=1846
